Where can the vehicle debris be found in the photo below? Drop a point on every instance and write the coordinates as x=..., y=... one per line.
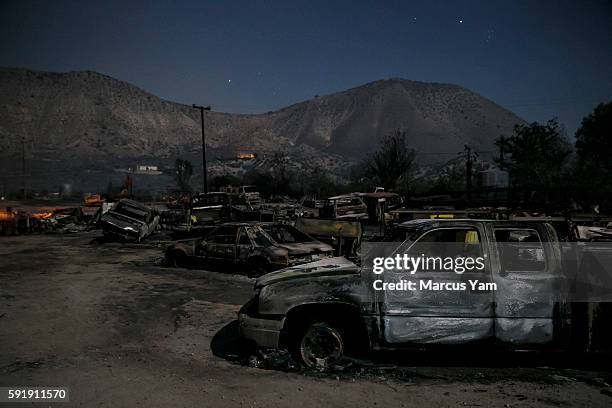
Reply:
x=380, y=203
x=210, y=208
x=344, y=236
x=349, y=207
x=94, y=200
x=8, y=221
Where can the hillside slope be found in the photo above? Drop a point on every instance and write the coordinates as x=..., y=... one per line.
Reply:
x=84, y=119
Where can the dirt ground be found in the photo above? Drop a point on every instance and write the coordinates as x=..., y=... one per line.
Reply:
x=120, y=330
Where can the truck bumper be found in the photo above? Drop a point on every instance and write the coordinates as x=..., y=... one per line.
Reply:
x=263, y=331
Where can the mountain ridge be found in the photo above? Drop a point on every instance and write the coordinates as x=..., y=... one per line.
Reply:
x=85, y=118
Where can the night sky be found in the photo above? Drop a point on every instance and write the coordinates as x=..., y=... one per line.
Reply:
x=538, y=58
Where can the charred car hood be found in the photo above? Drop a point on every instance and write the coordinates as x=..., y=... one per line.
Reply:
x=328, y=266
x=306, y=247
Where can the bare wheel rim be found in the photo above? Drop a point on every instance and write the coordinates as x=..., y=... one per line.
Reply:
x=321, y=346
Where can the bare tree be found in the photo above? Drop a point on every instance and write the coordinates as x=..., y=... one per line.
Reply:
x=183, y=172
x=537, y=153
x=391, y=164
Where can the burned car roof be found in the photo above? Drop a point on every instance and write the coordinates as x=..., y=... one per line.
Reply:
x=340, y=197
x=134, y=203
x=429, y=221
x=240, y=224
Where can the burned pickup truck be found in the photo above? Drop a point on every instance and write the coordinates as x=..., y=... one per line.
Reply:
x=520, y=297
x=129, y=220
x=249, y=245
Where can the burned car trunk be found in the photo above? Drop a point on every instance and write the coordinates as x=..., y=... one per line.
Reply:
x=129, y=220
x=302, y=247
x=344, y=236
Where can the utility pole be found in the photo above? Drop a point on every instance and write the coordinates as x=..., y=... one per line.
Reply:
x=502, y=147
x=23, y=167
x=204, y=173
x=468, y=171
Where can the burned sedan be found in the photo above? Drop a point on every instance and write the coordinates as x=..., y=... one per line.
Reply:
x=129, y=220
x=515, y=298
x=246, y=245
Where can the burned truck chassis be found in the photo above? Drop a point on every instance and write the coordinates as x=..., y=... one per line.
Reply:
x=286, y=304
x=365, y=330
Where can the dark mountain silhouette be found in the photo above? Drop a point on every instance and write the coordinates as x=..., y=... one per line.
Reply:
x=84, y=119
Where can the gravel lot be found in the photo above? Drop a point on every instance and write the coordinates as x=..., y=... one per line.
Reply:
x=120, y=330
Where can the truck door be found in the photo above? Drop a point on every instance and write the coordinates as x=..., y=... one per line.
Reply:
x=441, y=316
x=528, y=281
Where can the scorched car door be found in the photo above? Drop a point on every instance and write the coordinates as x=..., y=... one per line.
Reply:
x=526, y=283
x=457, y=313
x=245, y=246
x=221, y=244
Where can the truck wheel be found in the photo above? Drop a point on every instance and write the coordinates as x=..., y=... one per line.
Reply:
x=321, y=346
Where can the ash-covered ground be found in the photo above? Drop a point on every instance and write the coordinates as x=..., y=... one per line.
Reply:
x=119, y=329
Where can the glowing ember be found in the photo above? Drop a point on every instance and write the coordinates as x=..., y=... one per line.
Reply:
x=42, y=215
x=7, y=216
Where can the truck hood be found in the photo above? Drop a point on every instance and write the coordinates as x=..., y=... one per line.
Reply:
x=325, y=267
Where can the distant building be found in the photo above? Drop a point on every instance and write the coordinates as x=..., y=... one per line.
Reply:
x=494, y=178
x=65, y=190
x=146, y=167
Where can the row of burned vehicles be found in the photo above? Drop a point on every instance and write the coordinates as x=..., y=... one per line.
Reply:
x=317, y=294
x=545, y=283
x=546, y=294
x=195, y=215
x=188, y=212
x=66, y=219
x=192, y=214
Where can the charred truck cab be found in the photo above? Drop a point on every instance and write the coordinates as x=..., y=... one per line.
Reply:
x=323, y=310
